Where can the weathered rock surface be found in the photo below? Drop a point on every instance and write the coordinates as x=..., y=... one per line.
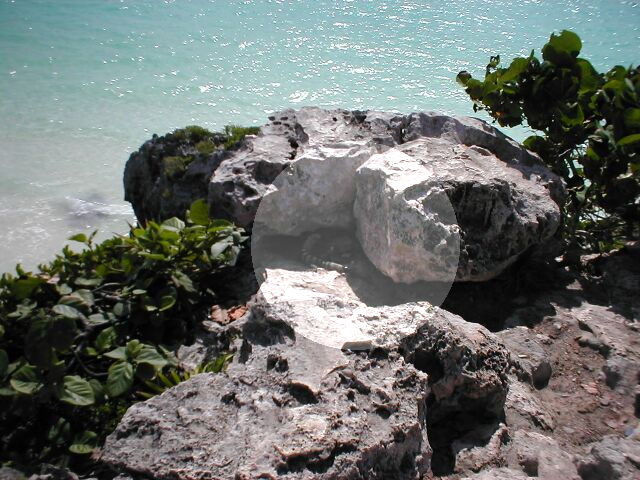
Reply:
x=316, y=191
x=292, y=408
x=303, y=165
x=612, y=458
x=167, y=174
x=529, y=358
x=421, y=204
x=540, y=456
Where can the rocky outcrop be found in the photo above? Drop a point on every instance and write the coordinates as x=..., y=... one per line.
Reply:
x=469, y=200
x=294, y=406
x=431, y=206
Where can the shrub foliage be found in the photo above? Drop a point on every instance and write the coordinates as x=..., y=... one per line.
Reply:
x=589, y=131
x=87, y=331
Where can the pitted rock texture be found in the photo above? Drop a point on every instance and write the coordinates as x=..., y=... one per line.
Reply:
x=295, y=409
x=290, y=409
x=430, y=207
x=612, y=458
x=235, y=181
x=316, y=191
x=167, y=174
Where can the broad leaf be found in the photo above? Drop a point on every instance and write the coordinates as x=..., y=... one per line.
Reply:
x=79, y=237
x=119, y=353
x=105, y=340
x=77, y=391
x=632, y=117
x=199, y=212
x=23, y=288
x=629, y=140
x=120, y=378
x=68, y=312
x=84, y=444
x=150, y=355
x=25, y=380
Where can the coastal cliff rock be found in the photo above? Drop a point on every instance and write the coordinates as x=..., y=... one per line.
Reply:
x=299, y=175
x=292, y=405
x=431, y=206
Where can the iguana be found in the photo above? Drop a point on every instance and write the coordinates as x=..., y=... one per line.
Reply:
x=330, y=249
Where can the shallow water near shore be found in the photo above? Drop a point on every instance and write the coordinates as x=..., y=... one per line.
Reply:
x=84, y=83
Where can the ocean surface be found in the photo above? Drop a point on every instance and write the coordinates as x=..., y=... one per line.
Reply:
x=83, y=83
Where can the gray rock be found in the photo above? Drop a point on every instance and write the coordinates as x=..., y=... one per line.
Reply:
x=481, y=449
x=528, y=356
x=418, y=204
x=317, y=191
x=327, y=144
x=523, y=408
x=612, y=458
x=289, y=407
x=7, y=473
x=290, y=410
x=166, y=175
x=540, y=456
x=498, y=474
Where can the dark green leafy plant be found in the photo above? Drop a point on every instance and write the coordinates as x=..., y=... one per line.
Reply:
x=165, y=380
x=81, y=335
x=589, y=127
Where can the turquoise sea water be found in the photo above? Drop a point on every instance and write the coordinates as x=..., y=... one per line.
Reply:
x=85, y=82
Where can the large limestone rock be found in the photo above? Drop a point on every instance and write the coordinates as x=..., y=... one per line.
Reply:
x=316, y=152
x=420, y=204
x=317, y=191
x=292, y=408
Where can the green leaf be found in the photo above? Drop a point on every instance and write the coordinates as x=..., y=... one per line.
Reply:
x=88, y=282
x=23, y=288
x=68, y=312
x=77, y=391
x=159, y=257
x=81, y=299
x=25, y=380
x=134, y=347
x=199, y=212
x=120, y=378
x=119, y=353
x=183, y=281
x=150, y=355
x=79, y=237
x=518, y=65
x=168, y=299
x=98, y=389
x=632, y=117
x=219, y=247
x=122, y=309
x=174, y=223
x=629, y=140
x=105, y=340
x=98, y=318
x=565, y=43
x=84, y=444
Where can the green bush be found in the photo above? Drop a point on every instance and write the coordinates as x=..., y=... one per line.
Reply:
x=589, y=126
x=79, y=337
x=207, y=142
